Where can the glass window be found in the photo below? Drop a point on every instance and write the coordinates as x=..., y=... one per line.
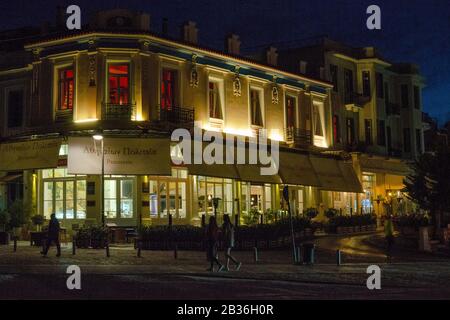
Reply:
x=182, y=199
x=350, y=131
x=215, y=101
x=290, y=112
x=15, y=108
x=334, y=76
x=119, y=84
x=317, y=116
x=153, y=185
x=81, y=200
x=348, y=84
x=66, y=89
x=366, y=83
x=168, y=89
x=48, y=199
x=267, y=197
x=69, y=200
x=59, y=199
x=255, y=107
x=163, y=199
x=110, y=194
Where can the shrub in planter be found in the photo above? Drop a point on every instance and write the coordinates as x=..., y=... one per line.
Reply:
x=252, y=217
x=18, y=217
x=311, y=213
x=83, y=238
x=331, y=213
x=270, y=215
x=99, y=237
x=38, y=221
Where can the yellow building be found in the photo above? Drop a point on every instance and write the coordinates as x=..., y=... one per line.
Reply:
x=118, y=79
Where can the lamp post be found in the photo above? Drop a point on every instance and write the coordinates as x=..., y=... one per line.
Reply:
x=99, y=137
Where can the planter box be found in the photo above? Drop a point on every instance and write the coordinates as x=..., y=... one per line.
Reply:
x=4, y=238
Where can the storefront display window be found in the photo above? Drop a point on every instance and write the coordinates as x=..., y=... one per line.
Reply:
x=119, y=199
x=63, y=194
x=210, y=188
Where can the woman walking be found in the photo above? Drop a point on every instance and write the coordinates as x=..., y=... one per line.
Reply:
x=212, y=236
x=228, y=237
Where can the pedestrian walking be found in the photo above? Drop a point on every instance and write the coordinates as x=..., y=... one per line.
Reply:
x=389, y=235
x=228, y=237
x=52, y=236
x=212, y=237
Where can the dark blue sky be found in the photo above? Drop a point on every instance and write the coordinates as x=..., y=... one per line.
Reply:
x=412, y=30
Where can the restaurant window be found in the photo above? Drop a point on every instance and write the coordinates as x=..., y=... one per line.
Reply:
x=334, y=76
x=119, y=197
x=63, y=194
x=380, y=85
x=168, y=195
x=215, y=100
x=15, y=108
x=336, y=130
x=407, y=139
x=419, y=140
x=209, y=188
x=256, y=115
x=366, y=83
x=66, y=83
x=300, y=201
x=350, y=131
x=290, y=112
x=417, y=97
x=368, y=131
x=381, y=134
x=168, y=88
x=404, y=95
x=368, y=184
x=119, y=84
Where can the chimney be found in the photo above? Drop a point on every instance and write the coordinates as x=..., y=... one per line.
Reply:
x=60, y=17
x=233, y=44
x=189, y=32
x=165, y=27
x=272, y=56
x=303, y=65
x=144, y=22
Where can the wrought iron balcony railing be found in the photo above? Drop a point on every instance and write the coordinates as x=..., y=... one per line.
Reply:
x=300, y=138
x=113, y=111
x=64, y=116
x=356, y=99
x=177, y=116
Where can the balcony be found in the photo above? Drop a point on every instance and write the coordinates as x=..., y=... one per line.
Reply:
x=112, y=111
x=392, y=109
x=177, y=117
x=299, y=138
x=355, y=100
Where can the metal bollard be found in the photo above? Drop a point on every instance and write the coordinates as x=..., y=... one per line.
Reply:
x=74, y=246
x=107, y=250
x=299, y=254
x=338, y=257
x=175, y=252
x=255, y=254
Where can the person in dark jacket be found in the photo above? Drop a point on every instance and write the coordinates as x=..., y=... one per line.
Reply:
x=228, y=237
x=53, y=236
x=212, y=237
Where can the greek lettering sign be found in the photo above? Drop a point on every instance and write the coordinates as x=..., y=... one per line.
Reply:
x=122, y=156
x=37, y=154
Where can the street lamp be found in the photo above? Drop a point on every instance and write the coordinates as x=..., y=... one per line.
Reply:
x=99, y=137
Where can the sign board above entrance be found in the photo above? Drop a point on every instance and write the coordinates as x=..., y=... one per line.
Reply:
x=29, y=155
x=123, y=156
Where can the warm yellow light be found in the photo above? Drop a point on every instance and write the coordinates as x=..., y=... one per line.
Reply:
x=239, y=132
x=86, y=120
x=275, y=135
x=97, y=137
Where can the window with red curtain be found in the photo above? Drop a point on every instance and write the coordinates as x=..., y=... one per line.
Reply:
x=66, y=89
x=336, y=130
x=168, y=84
x=119, y=84
x=290, y=112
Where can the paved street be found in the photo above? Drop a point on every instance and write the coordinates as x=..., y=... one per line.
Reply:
x=157, y=275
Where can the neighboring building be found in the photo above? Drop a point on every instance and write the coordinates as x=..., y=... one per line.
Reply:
x=376, y=110
x=433, y=135
x=116, y=78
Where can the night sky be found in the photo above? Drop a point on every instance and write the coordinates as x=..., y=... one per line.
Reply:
x=412, y=30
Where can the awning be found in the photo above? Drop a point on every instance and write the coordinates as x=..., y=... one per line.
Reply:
x=34, y=154
x=336, y=175
x=227, y=171
x=10, y=178
x=252, y=173
x=297, y=169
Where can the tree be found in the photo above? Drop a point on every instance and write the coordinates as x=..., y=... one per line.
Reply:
x=429, y=184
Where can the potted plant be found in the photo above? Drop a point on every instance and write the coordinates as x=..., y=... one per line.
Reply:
x=18, y=217
x=4, y=220
x=38, y=221
x=311, y=213
x=330, y=213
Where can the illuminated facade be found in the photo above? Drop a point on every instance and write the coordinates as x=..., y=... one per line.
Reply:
x=119, y=78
